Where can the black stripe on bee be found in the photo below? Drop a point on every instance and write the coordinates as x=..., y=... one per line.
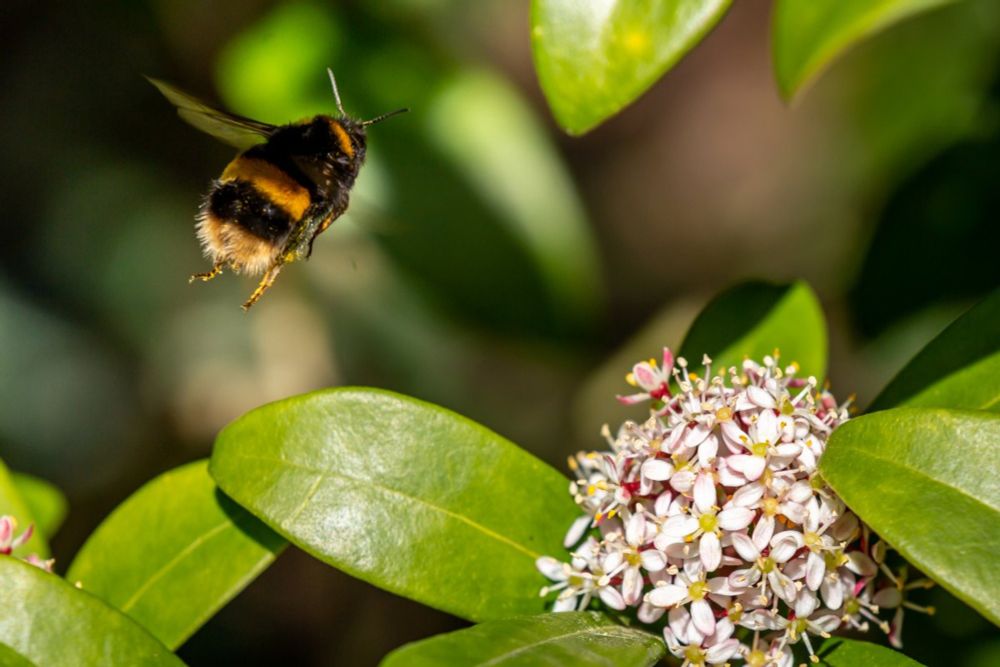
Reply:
x=239, y=202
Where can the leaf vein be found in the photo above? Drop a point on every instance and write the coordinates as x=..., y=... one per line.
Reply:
x=170, y=564
x=606, y=631
x=323, y=474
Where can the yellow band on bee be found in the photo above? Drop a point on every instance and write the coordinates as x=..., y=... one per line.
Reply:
x=342, y=137
x=280, y=189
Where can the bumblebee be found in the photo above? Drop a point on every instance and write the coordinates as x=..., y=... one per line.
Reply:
x=285, y=187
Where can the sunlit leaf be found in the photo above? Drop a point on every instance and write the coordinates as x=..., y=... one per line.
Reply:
x=594, y=58
x=403, y=494
x=851, y=653
x=12, y=503
x=755, y=319
x=958, y=369
x=809, y=34
x=49, y=622
x=583, y=639
x=45, y=501
x=924, y=479
x=174, y=553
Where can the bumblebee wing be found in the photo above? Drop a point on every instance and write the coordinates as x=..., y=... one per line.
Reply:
x=232, y=129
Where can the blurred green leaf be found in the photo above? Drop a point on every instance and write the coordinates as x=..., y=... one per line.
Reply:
x=594, y=58
x=13, y=503
x=174, y=553
x=572, y=638
x=754, y=319
x=44, y=500
x=958, y=369
x=400, y=493
x=522, y=178
x=920, y=87
x=11, y=658
x=809, y=34
x=51, y=623
x=272, y=70
x=850, y=653
x=916, y=476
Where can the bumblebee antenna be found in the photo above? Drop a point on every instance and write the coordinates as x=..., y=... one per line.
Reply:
x=336, y=93
x=379, y=119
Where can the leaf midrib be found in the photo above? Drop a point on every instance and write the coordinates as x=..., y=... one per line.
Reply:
x=324, y=474
x=623, y=633
x=172, y=563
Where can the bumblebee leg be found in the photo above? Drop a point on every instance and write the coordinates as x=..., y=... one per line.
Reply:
x=208, y=275
x=262, y=287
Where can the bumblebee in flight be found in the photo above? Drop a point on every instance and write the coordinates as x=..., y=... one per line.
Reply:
x=286, y=186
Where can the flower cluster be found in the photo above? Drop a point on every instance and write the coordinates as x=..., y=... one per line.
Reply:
x=8, y=542
x=710, y=517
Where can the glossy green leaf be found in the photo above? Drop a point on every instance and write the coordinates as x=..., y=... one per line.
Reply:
x=958, y=369
x=809, y=34
x=582, y=639
x=45, y=501
x=594, y=58
x=851, y=653
x=753, y=320
x=403, y=494
x=13, y=503
x=49, y=622
x=174, y=553
x=925, y=480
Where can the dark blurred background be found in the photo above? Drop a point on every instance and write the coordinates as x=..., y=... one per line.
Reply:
x=489, y=263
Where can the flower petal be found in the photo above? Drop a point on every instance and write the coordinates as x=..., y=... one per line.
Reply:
x=666, y=596
x=551, y=568
x=704, y=492
x=710, y=551
x=735, y=518
x=745, y=547
x=702, y=617
x=680, y=525
x=657, y=470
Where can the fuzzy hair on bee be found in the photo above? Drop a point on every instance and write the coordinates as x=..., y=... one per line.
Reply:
x=284, y=188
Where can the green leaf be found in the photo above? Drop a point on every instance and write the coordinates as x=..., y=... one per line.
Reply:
x=400, y=493
x=958, y=369
x=13, y=504
x=925, y=480
x=523, y=179
x=174, y=553
x=594, y=58
x=754, y=319
x=49, y=622
x=850, y=653
x=44, y=500
x=809, y=34
x=572, y=638
x=11, y=658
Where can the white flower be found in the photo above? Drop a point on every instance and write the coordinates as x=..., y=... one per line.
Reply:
x=711, y=511
x=627, y=558
x=652, y=379
x=686, y=641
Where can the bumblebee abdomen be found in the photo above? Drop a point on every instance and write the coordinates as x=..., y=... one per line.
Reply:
x=249, y=213
x=242, y=204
